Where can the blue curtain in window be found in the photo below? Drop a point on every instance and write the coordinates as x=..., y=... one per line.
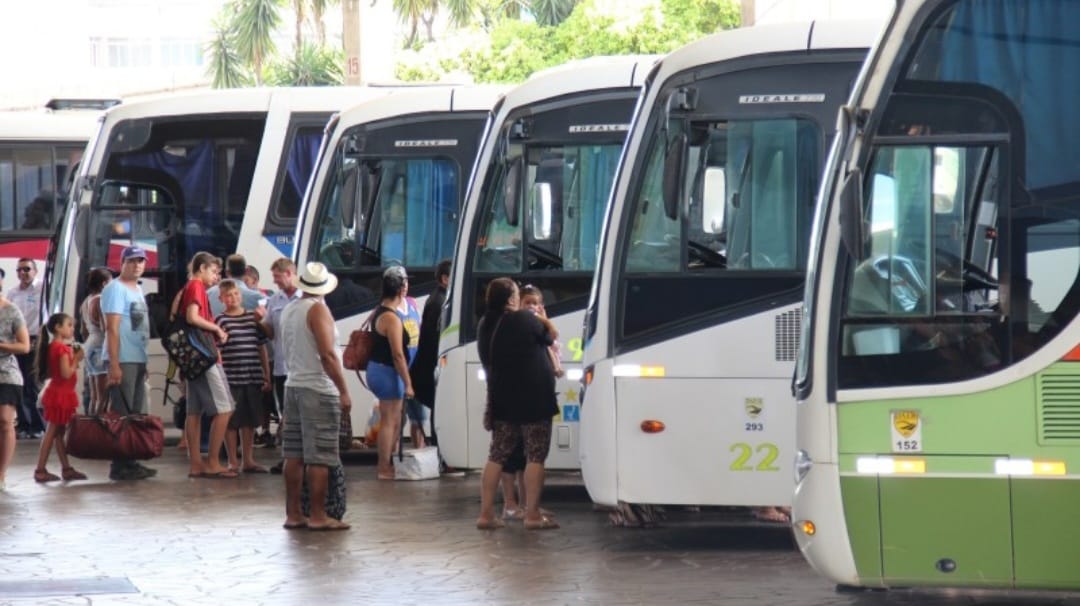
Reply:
x=302, y=157
x=194, y=171
x=1029, y=51
x=598, y=166
x=431, y=204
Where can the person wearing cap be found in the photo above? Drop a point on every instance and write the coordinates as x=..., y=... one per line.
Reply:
x=127, y=335
x=14, y=340
x=27, y=297
x=315, y=399
x=397, y=335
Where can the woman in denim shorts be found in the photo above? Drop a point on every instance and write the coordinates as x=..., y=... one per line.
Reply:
x=396, y=326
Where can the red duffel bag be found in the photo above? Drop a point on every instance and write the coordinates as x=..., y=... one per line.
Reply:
x=111, y=436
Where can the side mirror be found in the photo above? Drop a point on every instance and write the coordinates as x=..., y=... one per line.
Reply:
x=852, y=229
x=674, y=160
x=347, y=202
x=541, y=211
x=713, y=197
x=511, y=187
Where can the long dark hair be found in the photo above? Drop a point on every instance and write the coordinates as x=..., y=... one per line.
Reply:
x=96, y=280
x=498, y=295
x=41, y=356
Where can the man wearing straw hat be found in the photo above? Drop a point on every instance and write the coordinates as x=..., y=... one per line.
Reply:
x=315, y=399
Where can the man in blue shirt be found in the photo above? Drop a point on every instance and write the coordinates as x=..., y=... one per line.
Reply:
x=127, y=334
x=235, y=268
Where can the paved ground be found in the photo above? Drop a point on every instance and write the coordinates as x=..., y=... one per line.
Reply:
x=174, y=540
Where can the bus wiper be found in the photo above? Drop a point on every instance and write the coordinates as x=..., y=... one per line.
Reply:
x=706, y=256
x=542, y=258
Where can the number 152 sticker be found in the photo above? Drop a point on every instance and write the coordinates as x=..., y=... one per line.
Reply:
x=906, y=429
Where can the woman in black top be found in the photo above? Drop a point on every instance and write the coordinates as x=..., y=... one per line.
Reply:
x=388, y=369
x=521, y=397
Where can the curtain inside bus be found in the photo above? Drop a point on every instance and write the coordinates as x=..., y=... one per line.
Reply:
x=991, y=41
x=431, y=209
x=300, y=165
x=598, y=166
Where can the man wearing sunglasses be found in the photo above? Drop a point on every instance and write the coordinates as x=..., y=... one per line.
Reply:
x=27, y=297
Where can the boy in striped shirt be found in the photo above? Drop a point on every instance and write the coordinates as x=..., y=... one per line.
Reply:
x=247, y=368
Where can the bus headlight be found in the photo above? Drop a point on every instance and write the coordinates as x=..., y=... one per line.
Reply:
x=803, y=463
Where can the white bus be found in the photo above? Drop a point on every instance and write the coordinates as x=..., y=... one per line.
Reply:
x=533, y=213
x=692, y=327
x=221, y=171
x=388, y=189
x=38, y=151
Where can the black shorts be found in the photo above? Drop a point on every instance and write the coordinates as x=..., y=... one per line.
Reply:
x=11, y=395
x=249, y=406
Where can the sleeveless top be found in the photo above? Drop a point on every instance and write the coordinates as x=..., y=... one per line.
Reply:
x=381, y=352
x=301, y=353
x=95, y=334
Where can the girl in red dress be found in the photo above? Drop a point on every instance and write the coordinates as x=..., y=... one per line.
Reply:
x=58, y=362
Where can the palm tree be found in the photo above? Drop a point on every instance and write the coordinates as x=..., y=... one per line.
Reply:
x=226, y=68
x=298, y=9
x=255, y=22
x=312, y=65
x=461, y=11
x=551, y=12
x=318, y=9
x=411, y=12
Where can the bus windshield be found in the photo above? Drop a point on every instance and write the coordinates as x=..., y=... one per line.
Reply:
x=201, y=169
x=404, y=213
x=565, y=189
x=726, y=202
x=971, y=180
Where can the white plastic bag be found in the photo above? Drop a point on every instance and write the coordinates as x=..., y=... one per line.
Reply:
x=417, y=464
x=371, y=432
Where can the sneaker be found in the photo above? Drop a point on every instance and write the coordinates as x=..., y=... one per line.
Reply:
x=129, y=473
x=149, y=471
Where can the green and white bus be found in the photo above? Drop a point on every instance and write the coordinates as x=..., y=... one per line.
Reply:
x=938, y=423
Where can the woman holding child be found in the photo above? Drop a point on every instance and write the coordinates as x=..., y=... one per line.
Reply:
x=513, y=346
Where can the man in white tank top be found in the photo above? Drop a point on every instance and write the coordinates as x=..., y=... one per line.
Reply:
x=315, y=396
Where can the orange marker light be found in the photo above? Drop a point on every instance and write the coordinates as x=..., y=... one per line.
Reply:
x=808, y=528
x=652, y=426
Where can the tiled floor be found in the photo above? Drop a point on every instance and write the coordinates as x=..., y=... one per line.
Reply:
x=184, y=541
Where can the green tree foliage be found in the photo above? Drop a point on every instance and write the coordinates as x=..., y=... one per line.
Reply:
x=551, y=12
x=312, y=65
x=242, y=51
x=255, y=22
x=515, y=49
x=225, y=68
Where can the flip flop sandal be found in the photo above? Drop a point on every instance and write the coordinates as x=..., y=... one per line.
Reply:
x=294, y=525
x=69, y=474
x=544, y=523
x=41, y=476
x=330, y=525
x=494, y=524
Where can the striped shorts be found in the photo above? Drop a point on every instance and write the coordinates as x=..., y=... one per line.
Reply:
x=310, y=426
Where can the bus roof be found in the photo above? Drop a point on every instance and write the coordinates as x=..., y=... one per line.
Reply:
x=772, y=38
x=594, y=73
x=48, y=126
x=417, y=101
x=296, y=99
